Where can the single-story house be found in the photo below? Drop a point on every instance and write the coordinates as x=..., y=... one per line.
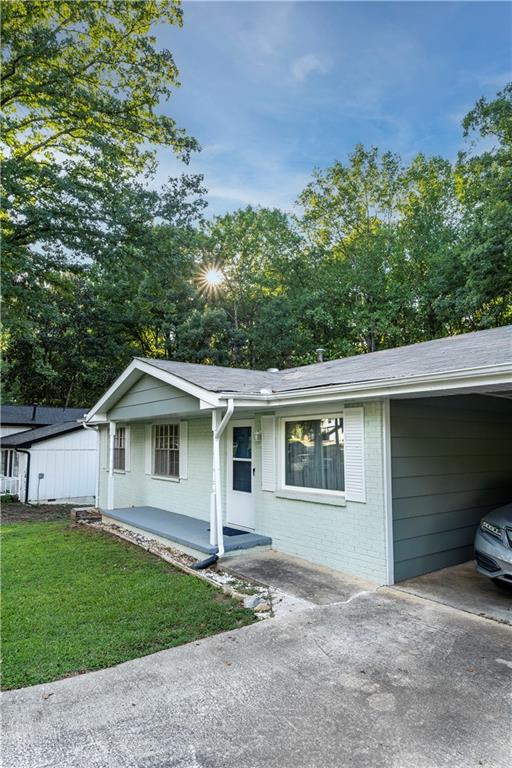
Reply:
x=379, y=465
x=47, y=454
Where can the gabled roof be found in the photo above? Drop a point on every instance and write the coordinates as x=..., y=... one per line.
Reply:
x=480, y=359
x=38, y=416
x=27, y=437
x=466, y=351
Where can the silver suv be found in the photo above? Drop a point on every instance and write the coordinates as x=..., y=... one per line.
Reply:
x=493, y=545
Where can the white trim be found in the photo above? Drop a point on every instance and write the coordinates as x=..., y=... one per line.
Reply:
x=183, y=450
x=110, y=481
x=131, y=374
x=303, y=491
x=268, y=453
x=355, y=459
x=388, y=495
x=487, y=376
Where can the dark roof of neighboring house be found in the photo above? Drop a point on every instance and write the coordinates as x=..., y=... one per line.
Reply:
x=453, y=353
x=44, y=415
x=27, y=437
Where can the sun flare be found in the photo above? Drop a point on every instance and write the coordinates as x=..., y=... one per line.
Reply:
x=210, y=279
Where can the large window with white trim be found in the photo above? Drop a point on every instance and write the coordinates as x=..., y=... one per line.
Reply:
x=314, y=453
x=166, y=450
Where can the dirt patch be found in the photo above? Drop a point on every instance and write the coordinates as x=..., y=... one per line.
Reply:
x=43, y=513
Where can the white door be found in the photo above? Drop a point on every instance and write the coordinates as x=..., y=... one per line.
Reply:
x=240, y=475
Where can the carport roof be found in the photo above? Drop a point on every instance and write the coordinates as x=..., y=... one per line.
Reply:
x=479, y=349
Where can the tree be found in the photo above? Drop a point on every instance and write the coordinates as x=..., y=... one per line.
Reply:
x=484, y=182
x=260, y=257
x=82, y=83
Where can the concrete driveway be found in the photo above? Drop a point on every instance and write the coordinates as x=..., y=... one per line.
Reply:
x=462, y=587
x=386, y=679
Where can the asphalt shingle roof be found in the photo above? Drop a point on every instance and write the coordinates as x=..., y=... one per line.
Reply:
x=466, y=351
x=29, y=436
x=44, y=415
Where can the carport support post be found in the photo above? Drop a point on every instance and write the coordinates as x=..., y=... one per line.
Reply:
x=110, y=487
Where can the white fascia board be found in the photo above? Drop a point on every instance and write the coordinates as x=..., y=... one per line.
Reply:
x=490, y=376
x=130, y=375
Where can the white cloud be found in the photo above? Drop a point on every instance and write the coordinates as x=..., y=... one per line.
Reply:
x=305, y=65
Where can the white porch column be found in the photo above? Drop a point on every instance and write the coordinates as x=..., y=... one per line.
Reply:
x=213, y=495
x=110, y=486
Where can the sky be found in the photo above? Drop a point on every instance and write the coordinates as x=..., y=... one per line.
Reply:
x=272, y=90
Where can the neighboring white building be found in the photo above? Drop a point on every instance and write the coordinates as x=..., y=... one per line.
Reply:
x=47, y=455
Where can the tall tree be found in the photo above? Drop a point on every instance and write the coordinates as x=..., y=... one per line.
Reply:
x=484, y=182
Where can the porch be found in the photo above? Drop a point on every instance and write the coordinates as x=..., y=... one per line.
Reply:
x=188, y=533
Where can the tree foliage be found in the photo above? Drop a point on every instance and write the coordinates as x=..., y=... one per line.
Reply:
x=100, y=266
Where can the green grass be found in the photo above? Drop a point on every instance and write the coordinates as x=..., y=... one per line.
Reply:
x=75, y=600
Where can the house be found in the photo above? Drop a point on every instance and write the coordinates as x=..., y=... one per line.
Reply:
x=47, y=455
x=379, y=465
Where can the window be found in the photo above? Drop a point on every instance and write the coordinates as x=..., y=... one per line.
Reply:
x=9, y=463
x=314, y=454
x=166, y=450
x=120, y=449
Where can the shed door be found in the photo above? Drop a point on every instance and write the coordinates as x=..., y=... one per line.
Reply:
x=240, y=475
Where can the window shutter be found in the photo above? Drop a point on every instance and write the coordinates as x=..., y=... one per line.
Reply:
x=127, y=448
x=183, y=450
x=148, y=443
x=268, y=453
x=103, y=441
x=353, y=426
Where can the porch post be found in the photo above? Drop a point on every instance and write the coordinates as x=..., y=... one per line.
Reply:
x=110, y=487
x=213, y=495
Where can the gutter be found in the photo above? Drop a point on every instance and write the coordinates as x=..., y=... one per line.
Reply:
x=216, y=497
x=491, y=375
x=27, y=474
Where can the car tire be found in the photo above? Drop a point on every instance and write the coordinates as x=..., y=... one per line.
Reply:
x=502, y=584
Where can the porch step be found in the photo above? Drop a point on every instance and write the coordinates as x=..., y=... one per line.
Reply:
x=188, y=532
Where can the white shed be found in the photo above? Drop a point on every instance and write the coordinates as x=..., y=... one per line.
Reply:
x=57, y=463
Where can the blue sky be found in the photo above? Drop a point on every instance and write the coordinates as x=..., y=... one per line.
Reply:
x=273, y=89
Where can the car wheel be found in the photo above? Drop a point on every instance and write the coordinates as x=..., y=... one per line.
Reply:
x=502, y=584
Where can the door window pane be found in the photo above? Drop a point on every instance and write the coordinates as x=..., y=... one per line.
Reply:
x=315, y=454
x=242, y=476
x=242, y=442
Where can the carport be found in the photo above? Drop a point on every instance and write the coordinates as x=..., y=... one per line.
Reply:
x=451, y=462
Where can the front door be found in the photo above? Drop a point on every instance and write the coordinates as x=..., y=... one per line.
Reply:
x=240, y=475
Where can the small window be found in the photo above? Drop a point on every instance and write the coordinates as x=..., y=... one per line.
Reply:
x=120, y=448
x=9, y=463
x=166, y=450
x=315, y=454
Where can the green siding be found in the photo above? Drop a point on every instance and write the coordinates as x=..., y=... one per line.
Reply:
x=451, y=463
x=149, y=398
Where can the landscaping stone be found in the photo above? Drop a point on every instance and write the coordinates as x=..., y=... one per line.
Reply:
x=252, y=601
x=262, y=608
x=85, y=514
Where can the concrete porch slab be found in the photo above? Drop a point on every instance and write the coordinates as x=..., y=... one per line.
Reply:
x=297, y=577
x=189, y=532
x=460, y=586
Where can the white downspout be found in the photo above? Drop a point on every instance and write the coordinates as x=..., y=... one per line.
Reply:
x=111, y=437
x=216, y=526
x=98, y=462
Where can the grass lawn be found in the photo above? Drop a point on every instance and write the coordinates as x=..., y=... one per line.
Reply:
x=75, y=599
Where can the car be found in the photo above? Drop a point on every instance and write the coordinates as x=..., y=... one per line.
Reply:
x=493, y=546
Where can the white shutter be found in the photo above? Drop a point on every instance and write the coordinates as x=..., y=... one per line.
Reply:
x=353, y=427
x=148, y=449
x=103, y=441
x=183, y=450
x=268, y=453
x=127, y=448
